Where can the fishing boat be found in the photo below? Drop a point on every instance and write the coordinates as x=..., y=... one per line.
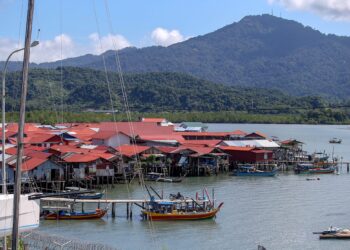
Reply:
x=168, y=210
x=252, y=171
x=64, y=215
x=87, y=196
x=311, y=168
x=335, y=140
x=335, y=233
x=181, y=209
x=327, y=170
x=304, y=168
x=160, y=177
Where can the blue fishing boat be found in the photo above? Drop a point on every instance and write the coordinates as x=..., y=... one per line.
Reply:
x=87, y=196
x=252, y=171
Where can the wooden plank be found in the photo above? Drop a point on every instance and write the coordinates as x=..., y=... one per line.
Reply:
x=52, y=199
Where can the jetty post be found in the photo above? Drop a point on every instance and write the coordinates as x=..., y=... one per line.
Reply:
x=113, y=210
x=127, y=210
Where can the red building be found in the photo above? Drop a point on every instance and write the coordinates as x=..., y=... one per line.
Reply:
x=248, y=154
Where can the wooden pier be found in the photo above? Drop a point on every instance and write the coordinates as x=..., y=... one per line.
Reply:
x=56, y=204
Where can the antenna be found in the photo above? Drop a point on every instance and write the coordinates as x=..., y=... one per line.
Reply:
x=37, y=35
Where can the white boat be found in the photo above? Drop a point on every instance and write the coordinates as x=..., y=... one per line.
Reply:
x=29, y=213
x=335, y=140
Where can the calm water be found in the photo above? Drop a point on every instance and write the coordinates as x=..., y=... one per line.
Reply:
x=278, y=213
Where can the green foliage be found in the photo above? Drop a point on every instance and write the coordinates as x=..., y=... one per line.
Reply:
x=86, y=89
x=311, y=117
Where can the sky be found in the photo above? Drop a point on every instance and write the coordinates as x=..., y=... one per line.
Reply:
x=70, y=28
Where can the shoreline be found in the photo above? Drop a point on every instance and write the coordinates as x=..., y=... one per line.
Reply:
x=223, y=117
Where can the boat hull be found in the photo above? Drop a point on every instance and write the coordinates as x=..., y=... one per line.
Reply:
x=29, y=214
x=181, y=215
x=321, y=171
x=76, y=216
x=257, y=174
x=96, y=196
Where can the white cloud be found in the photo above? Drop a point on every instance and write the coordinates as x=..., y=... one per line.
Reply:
x=62, y=47
x=108, y=42
x=6, y=47
x=164, y=37
x=331, y=9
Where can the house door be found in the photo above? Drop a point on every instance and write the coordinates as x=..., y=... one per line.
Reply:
x=55, y=174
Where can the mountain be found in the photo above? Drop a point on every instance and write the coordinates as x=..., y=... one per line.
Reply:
x=258, y=51
x=83, y=89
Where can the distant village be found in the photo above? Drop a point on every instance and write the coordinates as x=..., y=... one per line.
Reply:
x=92, y=154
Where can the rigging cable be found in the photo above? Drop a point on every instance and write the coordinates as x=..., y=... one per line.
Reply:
x=128, y=113
x=115, y=125
x=61, y=54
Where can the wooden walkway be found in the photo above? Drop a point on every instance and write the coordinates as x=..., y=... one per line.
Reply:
x=56, y=204
x=53, y=199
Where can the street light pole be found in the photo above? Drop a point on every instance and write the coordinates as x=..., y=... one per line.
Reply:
x=3, y=139
x=4, y=189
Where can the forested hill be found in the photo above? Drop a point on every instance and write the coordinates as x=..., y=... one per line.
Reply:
x=83, y=89
x=258, y=51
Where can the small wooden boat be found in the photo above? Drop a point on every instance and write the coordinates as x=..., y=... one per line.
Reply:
x=252, y=171
x=335, y=140
x=335, y=234
x=329, y=170
x=160, y=177
x=173, y=214
x=94, y=196
x=64, y=215
x=88, y=196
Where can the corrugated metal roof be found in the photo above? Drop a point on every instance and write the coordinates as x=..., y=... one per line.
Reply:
x=251, y=143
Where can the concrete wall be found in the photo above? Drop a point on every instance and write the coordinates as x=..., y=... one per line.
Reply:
x=117, y=140
x=113, y=141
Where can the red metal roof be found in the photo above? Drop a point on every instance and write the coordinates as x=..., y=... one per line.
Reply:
x=198, y=149
x=233, y=148
x=103, y=135
x=28, y=152
x=83, y=151
x=80, y=158
x=137, y=128
x=254, y=134
x=156, y=120
x=27, y=127
x=29, y=163
x=238, y=132
x=32, y=163
x=68, y=149
x=166, y=150
x=213, y=134
x=201, y=142
x=41, y=138
x=162, y=137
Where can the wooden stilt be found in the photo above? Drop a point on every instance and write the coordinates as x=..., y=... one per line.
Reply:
x=113, y=210
x=130, y=216
x=127, y=210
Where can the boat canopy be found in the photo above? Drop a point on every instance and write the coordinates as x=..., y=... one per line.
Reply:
x=166, y=203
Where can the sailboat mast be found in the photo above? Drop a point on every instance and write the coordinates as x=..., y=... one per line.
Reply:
x=21, y=122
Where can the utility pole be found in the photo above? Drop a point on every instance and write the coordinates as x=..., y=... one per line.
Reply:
x=21, y=122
